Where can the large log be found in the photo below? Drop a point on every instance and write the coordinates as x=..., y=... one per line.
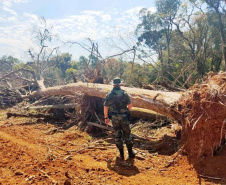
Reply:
x=146, y=114
x=158, y=101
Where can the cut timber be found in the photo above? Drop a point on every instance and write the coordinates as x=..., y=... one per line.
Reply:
x=158, y=101
x=59, y=106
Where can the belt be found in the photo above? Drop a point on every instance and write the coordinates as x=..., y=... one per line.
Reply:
x=117, y=113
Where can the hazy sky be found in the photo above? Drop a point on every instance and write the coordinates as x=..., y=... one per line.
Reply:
x=72, y=20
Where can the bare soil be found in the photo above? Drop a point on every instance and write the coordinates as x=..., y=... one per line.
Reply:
x=31, y=154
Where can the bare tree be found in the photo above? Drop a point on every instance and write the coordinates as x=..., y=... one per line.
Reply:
x=32, y=72
x=95, y=74
x=43, y=37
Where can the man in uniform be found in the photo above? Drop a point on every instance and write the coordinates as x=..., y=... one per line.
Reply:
x=118, y=104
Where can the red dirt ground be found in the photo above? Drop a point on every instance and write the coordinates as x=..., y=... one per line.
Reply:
x=30, y=156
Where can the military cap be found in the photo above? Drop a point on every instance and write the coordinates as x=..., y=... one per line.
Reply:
x=117, y=81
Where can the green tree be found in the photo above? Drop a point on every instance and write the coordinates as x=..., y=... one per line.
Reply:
x=155, y=31
x=167, y=10
x=136, y=74
x=218, y=6
x=186, y=37
x=112, y=69
x=151, y=34
x=63, y=62
x=7, y=64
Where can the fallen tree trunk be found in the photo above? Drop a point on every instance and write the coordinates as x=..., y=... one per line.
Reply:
x=158, y=101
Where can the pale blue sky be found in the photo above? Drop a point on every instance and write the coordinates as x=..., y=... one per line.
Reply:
x=73, y=20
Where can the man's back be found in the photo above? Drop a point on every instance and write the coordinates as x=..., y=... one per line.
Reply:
x=117, y=100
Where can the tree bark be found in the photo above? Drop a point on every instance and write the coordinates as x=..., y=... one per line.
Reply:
x=146, y=114
x=158, y=101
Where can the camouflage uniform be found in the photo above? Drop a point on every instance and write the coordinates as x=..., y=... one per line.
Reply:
x=117, y=101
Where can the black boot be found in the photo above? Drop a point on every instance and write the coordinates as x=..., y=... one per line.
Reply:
x=121, y=151
x=131, y=153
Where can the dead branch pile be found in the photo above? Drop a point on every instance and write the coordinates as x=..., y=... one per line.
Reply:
x=9, y=97
x=52, y=109
x=204, y=108
x=65, y=111
x=60, y=107
x=91, y=110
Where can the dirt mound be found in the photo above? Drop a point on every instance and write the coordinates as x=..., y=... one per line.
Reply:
x=204, y=128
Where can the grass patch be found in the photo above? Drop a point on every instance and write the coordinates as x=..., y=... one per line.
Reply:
x=89, y=138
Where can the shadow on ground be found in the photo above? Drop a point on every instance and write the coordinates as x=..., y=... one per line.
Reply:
x=123, y=167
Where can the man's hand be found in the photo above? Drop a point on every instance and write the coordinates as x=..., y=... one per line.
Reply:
x=107, y=121
x=130, y=106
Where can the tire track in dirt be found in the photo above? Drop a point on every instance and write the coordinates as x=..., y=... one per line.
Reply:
x=19, y=159
x=36, y=148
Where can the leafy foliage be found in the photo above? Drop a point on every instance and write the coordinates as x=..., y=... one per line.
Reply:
x=187, y=38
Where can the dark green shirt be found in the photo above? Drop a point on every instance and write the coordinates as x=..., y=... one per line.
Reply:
x=117, y=100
